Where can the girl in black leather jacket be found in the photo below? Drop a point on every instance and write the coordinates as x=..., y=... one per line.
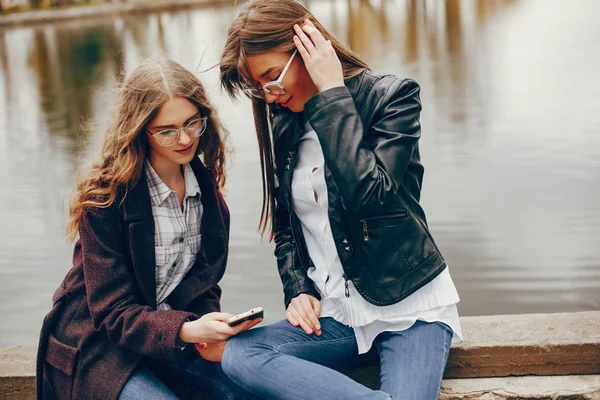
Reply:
x=362, y=276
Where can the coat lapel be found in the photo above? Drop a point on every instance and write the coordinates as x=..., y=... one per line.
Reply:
x=137, y=214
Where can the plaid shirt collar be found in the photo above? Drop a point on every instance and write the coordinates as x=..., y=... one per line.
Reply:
x=159, y=191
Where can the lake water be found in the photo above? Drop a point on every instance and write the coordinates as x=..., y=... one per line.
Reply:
x=510, y=143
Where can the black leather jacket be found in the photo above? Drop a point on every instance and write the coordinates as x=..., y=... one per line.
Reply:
x=369, y=132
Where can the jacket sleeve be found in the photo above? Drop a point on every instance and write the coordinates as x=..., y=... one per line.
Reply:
x=367, y=176
x=293, y=276
x=113, y=297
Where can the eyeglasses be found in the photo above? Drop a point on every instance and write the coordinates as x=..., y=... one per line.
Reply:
x=274, y=88
x=169, y=137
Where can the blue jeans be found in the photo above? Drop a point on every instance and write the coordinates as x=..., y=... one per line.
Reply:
x=281, y=361
x=144, y=385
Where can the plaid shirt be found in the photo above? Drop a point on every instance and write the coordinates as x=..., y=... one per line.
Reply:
x=177, y=233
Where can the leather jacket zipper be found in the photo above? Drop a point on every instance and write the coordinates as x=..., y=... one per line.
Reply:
x=346, y=290
x=366, y=228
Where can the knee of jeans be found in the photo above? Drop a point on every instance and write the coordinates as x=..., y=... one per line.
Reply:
x=233, y=356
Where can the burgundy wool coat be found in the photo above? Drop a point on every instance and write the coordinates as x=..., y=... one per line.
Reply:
x=104, y=321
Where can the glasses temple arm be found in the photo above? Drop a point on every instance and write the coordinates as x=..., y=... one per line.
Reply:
x=287, y=66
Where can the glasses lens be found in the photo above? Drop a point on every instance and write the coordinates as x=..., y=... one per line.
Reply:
x=252, y=92
x=275, y=88
x=196, y=127
x=166, y=138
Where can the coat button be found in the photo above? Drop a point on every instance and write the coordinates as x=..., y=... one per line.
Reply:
x=287, y=166
x=174, y=265
x=345, y=241
x=181, y=239
x=347, y=248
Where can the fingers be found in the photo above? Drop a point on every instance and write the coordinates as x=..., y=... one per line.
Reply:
x=255, y=322
x=304, y=53
x=317, y=309
x=244, y=326
x=316, y=304
x=313, y=318
x=315, y=35
x=302, y=320
x=302, y=311
x=301, y=49
x=217, y=316
x=291, y=319
x=251, y=323
x=306, y=41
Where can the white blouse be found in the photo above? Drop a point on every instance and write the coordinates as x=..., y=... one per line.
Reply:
x=436, y=301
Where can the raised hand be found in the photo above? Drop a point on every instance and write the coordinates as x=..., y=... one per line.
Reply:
x=320, y=58
x=304, y=310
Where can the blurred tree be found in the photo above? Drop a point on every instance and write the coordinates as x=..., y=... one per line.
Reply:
x=60, y=3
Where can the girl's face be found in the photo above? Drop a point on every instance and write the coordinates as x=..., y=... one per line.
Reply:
x=268, y=66
x=176, y=113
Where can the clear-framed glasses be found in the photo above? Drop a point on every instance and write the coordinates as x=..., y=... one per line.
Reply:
x=274, y=88
x=193, y=129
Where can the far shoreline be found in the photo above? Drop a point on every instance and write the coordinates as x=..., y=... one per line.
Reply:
x=88, y=12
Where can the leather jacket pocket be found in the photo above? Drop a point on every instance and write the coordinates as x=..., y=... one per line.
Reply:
x=59, y=371
x=393, y=245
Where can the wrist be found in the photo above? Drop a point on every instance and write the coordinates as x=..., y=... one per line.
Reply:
x=330, y=86
x=180, y=343
x=186, y=333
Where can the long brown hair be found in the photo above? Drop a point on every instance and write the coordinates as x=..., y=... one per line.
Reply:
x=120, y=162
x=261, y=26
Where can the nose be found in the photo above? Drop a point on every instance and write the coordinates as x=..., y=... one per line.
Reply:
x=270, y=98
x=184, y=138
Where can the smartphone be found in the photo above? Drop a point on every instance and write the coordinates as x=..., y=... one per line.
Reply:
x=257, y=312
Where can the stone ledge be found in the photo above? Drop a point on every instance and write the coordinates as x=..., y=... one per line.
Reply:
x=529, y=344
x=504, y=345
x=571, y=387
x=17, y=373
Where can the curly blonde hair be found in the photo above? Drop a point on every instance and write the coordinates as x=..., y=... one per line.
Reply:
x=125, y=147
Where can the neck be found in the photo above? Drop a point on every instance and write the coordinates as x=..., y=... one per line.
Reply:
x=170, y=173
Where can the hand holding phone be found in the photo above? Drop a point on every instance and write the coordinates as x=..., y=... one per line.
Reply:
x=254, y=313
x=213, y=327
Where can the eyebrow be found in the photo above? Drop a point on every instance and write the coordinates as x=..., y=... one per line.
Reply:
x=172, y=126
x=268, y=71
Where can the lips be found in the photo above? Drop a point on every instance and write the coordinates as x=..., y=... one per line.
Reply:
x=287, y=102
x=185, y=150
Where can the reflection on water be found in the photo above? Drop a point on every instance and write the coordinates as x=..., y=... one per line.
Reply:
x=509, y=142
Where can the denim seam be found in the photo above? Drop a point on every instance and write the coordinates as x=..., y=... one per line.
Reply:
x=322, y=342
x=446, y=350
